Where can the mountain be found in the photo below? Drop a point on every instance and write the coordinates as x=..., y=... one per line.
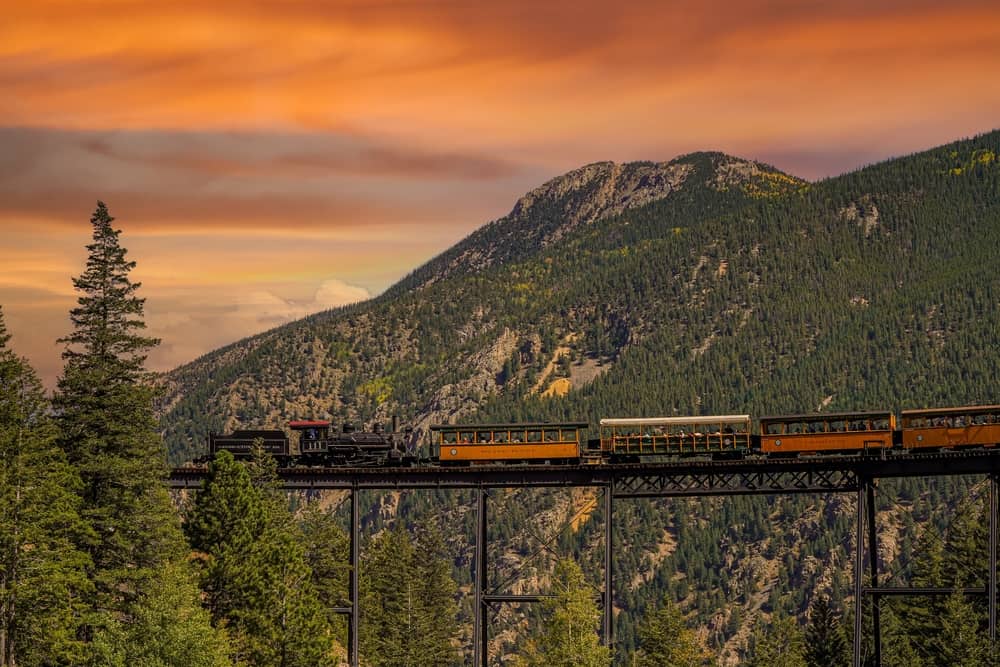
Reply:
x=707, y=284
x=434, y=345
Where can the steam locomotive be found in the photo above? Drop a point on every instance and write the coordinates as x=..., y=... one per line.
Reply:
x=320, y=444
x=626, y=440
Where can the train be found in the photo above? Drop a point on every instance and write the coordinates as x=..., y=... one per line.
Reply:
x=626, y=440
x=320, y=443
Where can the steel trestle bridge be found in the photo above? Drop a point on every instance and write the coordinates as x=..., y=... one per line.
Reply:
x=674, y=478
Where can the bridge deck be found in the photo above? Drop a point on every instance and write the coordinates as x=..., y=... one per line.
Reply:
x=666, y=478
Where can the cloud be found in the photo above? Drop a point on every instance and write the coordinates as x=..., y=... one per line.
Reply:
x=190, y=328
x=198, y=180
x=466, y=75
x=268, y=309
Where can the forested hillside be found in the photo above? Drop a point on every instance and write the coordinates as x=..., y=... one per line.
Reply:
x=704, y=285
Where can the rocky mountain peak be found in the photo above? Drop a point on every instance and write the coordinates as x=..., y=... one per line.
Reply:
x=600, y=190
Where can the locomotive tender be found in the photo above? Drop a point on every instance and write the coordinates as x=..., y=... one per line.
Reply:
x=629, y=440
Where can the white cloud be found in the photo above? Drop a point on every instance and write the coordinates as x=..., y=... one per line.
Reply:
x=190, y=329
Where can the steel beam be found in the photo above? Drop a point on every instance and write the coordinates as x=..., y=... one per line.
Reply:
x=514, y=599
x=859, y=564
x=609, y=598
x=681, y=477
x=353, y=622
x=873, y=571
x=992, y=578
x=750, y=482
x=906, y=591
x=480, y=613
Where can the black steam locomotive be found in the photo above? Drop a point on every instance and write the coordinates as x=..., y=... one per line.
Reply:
x=320, y=444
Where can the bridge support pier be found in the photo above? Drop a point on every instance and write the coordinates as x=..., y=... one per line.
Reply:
x=991, y=582
x=869, y=486
x=859, y=562
x=480, y=630
x=609, y=599
x=352, y=622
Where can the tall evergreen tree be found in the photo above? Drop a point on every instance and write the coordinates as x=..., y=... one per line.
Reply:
x=920, y=617
x=571, y=618
x=437, y=624
x=326, y=550
x=780, y=645
x=43, y=578
x=407, y=602
x=961, y=640
x=825, y=642
x=104, y=407
x=107, y=428
x=665, y=640
x=258, y=584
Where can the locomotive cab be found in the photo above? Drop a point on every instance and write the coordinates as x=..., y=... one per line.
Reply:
x=313, y=435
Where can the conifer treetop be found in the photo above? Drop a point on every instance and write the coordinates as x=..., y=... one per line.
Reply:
x=109, y=314
x=4, y=336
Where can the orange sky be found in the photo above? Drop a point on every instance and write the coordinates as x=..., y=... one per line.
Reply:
x=269, y=159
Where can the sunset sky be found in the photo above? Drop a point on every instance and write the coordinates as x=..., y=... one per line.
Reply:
x=270, y=159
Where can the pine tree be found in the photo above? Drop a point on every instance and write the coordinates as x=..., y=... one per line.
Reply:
x=255, y=574
x=570, y=621
x=407, y=602
x=961, y=640
x=43, y=578
x=104, y=408
x=107, y=427
x=325, y=548
x=665, y=640
x=780, y=646
x=825, y=642
x=388, y=601
x=437, y=623
x=155, y=637
x=920, y=617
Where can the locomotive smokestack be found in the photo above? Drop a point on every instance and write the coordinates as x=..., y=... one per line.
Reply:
x=395, y=423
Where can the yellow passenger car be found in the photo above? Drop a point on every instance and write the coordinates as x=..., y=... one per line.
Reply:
x=840, y=432
x=951, y=427
x=651, y=436
x=489, y=443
